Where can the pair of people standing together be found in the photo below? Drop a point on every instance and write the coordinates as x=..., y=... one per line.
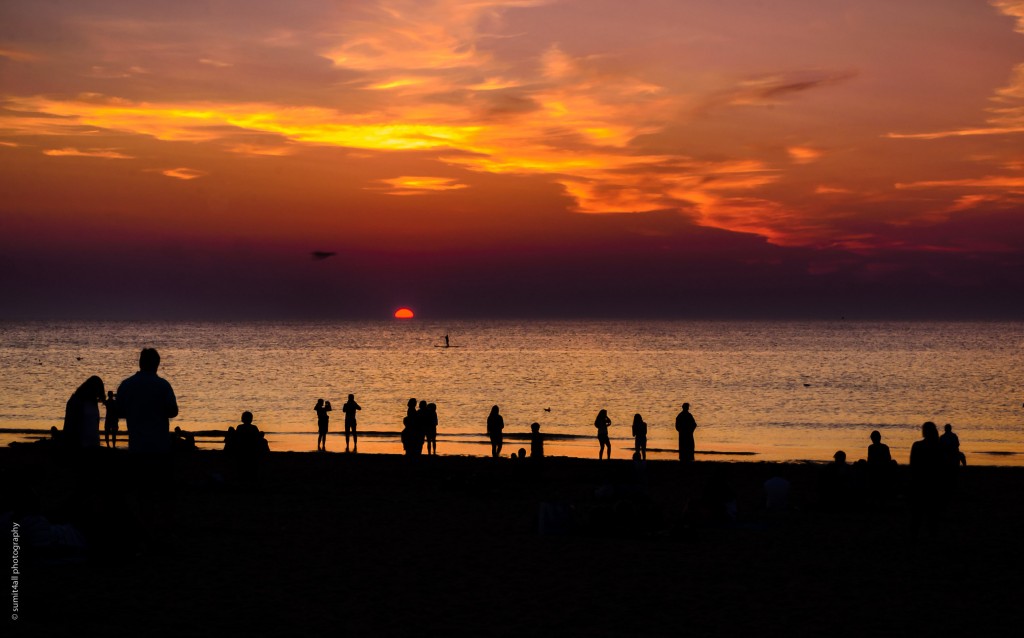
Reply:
x=323, y=419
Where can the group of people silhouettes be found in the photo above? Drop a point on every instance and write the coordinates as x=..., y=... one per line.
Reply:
x=685, y=426
x=418, y=427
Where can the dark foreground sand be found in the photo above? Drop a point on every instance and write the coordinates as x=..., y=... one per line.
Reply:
x=372, y=545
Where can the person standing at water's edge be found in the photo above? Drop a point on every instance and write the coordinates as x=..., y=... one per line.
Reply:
x=685, y=425
x=350, y=408
x=640, y=436
x=322, y=420
x=147, y=403
x=495, y=424
x=601, y=423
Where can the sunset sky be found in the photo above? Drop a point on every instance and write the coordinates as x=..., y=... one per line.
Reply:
x=669, y=158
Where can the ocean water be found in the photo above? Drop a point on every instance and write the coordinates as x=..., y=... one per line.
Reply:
x=759, y=390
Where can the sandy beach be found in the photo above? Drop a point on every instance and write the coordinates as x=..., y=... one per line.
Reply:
x=376, y=544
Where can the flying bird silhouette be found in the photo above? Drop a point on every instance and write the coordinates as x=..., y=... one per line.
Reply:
x=319, y=255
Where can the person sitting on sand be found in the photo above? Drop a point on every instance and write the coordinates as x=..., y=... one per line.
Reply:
x=951, y=445
x=495, y=424
x=834, y=482
x=350, y=408
x=536, y=442
x=640, y=436
x=322, y=420
x=601, y=423
x=878, y=452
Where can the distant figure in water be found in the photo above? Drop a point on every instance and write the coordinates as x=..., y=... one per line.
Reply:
x=350, y=408
x=110, y=420
x=495, y=424
x=951, y=445
x=640, y=436
x=322, y=420
x=685, y=425
x=536, y=442
x=82, y=415
x=601, y=423
x=446, y=343
x=927, y=465
x=878, y=452
x=430, y=429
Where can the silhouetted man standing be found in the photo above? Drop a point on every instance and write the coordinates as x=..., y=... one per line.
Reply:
x=147, y=404
x=685, y=425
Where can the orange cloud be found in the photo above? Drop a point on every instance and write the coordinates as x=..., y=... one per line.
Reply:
x=183, y=173
x=74, y=152
x=407, y=185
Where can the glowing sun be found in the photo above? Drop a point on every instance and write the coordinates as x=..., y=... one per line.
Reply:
x=404, y=313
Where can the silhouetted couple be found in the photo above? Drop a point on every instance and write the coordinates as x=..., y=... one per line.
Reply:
x=419, y=427
x=933, y=468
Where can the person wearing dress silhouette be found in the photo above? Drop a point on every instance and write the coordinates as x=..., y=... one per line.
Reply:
x=640, y=436
x=927, y=465
x=409, y=427
x=495, y=424
x=536, y=442
x=430, y=428
x=110, y=419
x=601, y=423
x=322, y=420
x=685, y=425
x=82, y=415
x=350, y=408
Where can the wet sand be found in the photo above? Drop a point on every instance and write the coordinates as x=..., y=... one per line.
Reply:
x=341, y=544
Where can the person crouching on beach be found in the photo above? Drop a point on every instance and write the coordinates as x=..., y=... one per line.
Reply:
x=495, y=424
x=601, y=423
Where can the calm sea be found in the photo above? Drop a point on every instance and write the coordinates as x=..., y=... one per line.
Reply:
x=759, y=390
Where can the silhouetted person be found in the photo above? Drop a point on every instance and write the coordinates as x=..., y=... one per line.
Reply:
x=878, y=452
x=419, y=433
x=350, y=408
x=951, y=445
x=601, y=423
x=409, y=427
x=110, y=419
x=323, y=419
x=430, y=428
x=685, y=425
x=834, y=486
x=495, y=425
x=880, y=467
x=536, y=442
x=147, y=404
x=927, y=465
x=640, y=436
x=446, y=342
x=248, y=447
x=82, y=416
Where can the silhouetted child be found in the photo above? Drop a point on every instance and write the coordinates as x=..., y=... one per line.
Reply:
x=536, y=442
x=640, y=435
x=110, y=419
